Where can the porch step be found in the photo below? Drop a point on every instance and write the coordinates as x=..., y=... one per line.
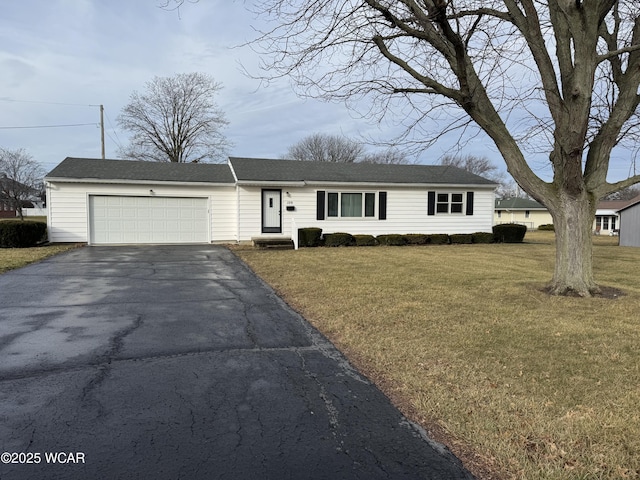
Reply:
x=273, y=242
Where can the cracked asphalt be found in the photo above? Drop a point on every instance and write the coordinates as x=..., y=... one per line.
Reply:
x=171, y=362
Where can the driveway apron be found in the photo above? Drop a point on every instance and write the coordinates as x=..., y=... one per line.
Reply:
x=171, y=362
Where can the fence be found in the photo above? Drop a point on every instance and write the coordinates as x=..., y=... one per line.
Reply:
x=34, y=212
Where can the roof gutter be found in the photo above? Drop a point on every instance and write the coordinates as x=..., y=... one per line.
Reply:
x=135, y=182
x=404, y=185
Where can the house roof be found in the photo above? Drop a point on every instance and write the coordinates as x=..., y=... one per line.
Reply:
x=265, y=170
x=516, y=203
x=252, y=170
x=630, y=203
x=612, y=204
x=88, y=169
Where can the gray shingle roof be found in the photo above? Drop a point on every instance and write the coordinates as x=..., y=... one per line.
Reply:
x=256, y=169
x=262, y=170
x=515, y=203
x=98, y=169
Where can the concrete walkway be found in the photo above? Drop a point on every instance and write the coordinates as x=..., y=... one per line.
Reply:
x=176, y=362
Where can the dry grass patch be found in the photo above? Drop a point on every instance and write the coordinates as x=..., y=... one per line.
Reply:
x=11, y=258
x=520, y=384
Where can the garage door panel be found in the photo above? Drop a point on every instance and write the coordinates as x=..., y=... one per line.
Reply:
x=122, y=219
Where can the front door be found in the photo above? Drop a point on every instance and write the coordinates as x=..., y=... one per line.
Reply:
x=271, y=211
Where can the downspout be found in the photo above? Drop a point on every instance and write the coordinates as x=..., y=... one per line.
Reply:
x=235, y=177
x=47, y=186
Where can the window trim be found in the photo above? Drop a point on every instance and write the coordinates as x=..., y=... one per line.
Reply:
x=364, y=193
x=437, y=206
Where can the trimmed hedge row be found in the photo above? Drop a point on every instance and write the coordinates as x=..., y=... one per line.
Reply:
x=21, y=234
x=505, y=233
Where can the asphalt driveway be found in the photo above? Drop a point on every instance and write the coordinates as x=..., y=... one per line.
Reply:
x=169, y=362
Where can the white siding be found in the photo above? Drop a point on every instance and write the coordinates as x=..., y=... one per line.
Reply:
x=68, y=206
x=406, y=212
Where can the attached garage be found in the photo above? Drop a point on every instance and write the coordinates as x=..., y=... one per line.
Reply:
x=146, y=219
x=124, y=202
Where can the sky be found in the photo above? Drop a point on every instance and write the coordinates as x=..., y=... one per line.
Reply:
x=61, y=59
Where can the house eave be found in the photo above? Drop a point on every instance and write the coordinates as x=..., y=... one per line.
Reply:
x=402, y=185
x=264, y=183
x=135, y=182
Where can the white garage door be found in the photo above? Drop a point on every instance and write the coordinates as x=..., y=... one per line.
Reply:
x=118, y=219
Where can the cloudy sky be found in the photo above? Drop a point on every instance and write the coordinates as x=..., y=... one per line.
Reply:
x=61, y=59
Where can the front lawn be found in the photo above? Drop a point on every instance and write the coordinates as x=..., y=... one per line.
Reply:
x=520, y=385
x=11, y=258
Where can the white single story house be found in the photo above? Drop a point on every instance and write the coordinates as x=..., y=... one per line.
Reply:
x=630, y=224
x=131, y=202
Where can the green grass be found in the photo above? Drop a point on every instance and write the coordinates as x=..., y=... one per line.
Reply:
x=33, y=219
x=11, y=258
x=519, y=384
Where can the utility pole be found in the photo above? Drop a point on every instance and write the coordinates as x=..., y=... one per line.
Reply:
x=102, y=129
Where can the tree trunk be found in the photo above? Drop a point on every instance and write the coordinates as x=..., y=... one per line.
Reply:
x=573, y=223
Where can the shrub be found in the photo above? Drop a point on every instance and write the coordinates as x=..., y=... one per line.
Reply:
x=547, y=227
x=416, y=238
x=339, y=240
x=482, y=237
x=393, y=239
x=439, y=239
x=21, y=234
x=509, y=233
x=461, y=238
x=365, y=240
x=309, y=237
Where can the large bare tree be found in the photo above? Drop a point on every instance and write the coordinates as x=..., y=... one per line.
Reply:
x=175, y=120
x=559, y=76
x=20, y=178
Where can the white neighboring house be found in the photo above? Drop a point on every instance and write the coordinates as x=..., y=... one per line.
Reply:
x=607, y=221
x=131, y=202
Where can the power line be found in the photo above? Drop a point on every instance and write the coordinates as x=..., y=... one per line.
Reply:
x=5, y=99
x=50, y=126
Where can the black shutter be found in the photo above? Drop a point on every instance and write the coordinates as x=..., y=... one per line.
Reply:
x=382, y=205
x=469, y=203
x=431, y=203
x=320, y=205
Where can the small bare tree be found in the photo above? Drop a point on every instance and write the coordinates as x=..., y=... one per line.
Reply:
x=20, y=178
x=628, y=193
x=320, y=147
x=557, y=76
x=477, y=165
x=389, y=156
x=175, y=120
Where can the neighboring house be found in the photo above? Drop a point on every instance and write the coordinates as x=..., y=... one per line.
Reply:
x=630, y=224
x=523, y=211
x=607, y=221
x=7, y=208
x=122, y=201
x=7, y=204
